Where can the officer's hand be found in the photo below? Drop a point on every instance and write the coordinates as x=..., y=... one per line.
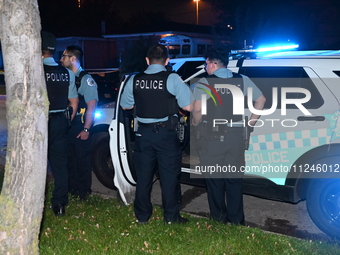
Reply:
x=83, y=135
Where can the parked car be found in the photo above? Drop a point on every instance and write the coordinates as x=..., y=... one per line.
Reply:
x=108, y=82
x=294, y=152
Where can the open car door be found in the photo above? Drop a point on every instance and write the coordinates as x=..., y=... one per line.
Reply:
x=121, y=149
x=122, y=140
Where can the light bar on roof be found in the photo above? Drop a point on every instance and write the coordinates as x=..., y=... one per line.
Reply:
x=276, y=48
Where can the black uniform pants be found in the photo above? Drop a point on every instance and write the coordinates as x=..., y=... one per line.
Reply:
x=79, y=161
x=157, y=144
x=57, y=156
x=224, y=187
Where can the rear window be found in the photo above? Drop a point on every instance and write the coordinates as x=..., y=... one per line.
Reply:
x=268, y=77
x=189, y=68
x=337, y=73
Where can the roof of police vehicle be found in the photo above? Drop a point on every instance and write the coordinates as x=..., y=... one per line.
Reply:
x=175, y=60
x=301, y=54
x=278, y=55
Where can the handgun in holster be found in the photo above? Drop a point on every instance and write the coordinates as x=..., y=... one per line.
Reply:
x=82, y=112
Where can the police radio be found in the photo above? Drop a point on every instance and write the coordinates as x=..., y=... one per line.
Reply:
x=180, y=128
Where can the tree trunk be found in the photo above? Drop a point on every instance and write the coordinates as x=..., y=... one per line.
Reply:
x=22, y=196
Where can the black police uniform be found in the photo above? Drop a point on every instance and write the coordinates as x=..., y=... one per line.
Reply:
x=156, y=143
x=223, y=146
x=79, y=162
x=57, y=82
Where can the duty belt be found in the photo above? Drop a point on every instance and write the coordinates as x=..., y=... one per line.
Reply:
x=153, y=124
x=56, y=113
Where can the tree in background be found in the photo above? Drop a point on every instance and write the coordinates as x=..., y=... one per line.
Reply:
x=22, y=195
x=133, y=59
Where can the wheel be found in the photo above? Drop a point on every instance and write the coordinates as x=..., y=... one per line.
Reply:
x=101, y=159
x=323, y=204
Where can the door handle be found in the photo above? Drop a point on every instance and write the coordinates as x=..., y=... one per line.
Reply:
x=311, y=118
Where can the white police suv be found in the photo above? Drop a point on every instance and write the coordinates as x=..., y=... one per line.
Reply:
x=294, y=151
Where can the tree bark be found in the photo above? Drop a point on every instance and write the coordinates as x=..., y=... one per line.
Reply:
x=22, y=196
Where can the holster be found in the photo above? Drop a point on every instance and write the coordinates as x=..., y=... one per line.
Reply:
x=172, y=122
x=68, y=114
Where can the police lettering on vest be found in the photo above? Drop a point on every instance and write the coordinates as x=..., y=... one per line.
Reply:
x=57, y=83
x=152, y=98
x=150, y=84
x=57, y=77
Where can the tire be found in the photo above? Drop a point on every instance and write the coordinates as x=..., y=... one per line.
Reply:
x=101, y=159
x=323, y=204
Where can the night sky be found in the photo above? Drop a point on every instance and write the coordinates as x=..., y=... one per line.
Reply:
x=182, y=11
x=311, y=23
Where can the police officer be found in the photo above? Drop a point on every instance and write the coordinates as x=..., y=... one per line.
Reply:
x=80, y=177
x=222, y=146
x=61, y=92
x=156, y=94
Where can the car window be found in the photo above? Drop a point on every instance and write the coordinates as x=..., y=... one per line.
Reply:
x=186, y=49
x=337, y=73
x=108, y=85
x=188, y=69
x=174, y=49
x=268, y=77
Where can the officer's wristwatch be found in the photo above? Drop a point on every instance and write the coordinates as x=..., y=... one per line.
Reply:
x=86, y=130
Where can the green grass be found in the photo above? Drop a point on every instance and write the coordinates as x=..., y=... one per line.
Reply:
x=105, y=226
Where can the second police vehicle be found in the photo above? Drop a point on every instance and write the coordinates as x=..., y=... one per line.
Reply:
x=294, y=151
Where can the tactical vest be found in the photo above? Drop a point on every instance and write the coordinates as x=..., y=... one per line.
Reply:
x=57, y=83
x=223, y=109
x=82, y=103
x=152, y=98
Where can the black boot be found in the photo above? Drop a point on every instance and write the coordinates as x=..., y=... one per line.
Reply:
x=59, y=210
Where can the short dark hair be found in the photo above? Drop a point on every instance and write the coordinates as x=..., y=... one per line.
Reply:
x=214, y=54
x=157, y=53
x=76, y=51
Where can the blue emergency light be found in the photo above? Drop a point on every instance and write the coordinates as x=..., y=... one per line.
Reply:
x=252, y=53
x=97, y=114
x=278, y=48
